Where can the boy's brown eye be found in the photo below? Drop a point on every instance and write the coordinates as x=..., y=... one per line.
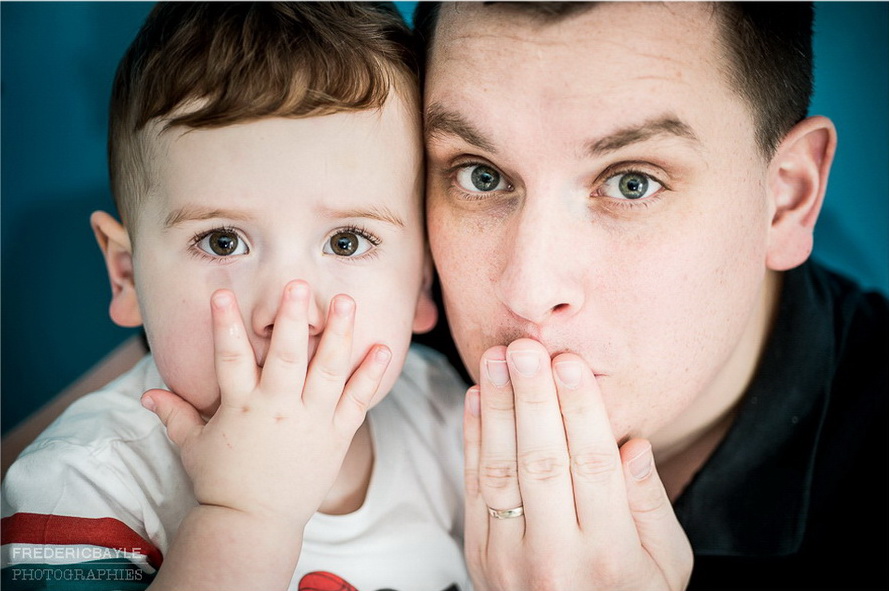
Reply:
x=222, y=243
x=344, y=244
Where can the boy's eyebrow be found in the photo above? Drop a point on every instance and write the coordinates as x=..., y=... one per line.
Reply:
x=192, y=213
x=379, y=213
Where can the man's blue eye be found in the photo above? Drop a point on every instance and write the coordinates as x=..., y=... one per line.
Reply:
x=630, y=185
x=633, y=186
x=484, y=178
x=478, y=178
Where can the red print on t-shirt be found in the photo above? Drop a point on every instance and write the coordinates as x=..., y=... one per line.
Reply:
x=321, y=581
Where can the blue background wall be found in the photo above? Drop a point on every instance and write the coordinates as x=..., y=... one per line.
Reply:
x=58, y=60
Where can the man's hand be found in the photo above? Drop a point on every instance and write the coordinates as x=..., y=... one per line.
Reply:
x=594, y=517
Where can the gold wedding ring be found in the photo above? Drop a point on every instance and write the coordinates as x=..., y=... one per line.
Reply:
x=506, y=513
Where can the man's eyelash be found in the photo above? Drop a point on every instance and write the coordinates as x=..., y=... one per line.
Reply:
x=630, y=168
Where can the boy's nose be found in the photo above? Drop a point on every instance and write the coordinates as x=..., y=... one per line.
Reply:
x=266, y=311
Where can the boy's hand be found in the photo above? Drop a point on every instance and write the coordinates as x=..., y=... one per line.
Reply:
x=276, y=444
x=537, y=437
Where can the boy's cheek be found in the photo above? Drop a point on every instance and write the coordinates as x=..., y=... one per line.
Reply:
x=182, y=345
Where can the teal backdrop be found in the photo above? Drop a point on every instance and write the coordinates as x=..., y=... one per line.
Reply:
x=58, y=60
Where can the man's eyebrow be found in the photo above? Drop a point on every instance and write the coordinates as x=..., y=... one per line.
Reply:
x=379, y=213
x=193, y=213
x=663, y=126
x=439, y=121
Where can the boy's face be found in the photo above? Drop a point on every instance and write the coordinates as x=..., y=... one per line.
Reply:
x=594, y=184
x=334, y=200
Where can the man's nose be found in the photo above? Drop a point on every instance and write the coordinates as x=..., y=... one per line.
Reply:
x=544, y=262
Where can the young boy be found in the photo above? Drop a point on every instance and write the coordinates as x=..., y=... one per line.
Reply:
x=266, y=160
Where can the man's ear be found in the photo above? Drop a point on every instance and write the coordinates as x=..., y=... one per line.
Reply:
x=797, y=181
x=114, y=242
x=426, y=314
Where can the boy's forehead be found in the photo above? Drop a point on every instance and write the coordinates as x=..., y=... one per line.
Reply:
x=368, y=161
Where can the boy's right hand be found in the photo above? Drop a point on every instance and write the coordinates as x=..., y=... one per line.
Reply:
x=275, y=446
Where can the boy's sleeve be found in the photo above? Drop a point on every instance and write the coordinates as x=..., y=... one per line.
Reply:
x=70, y=521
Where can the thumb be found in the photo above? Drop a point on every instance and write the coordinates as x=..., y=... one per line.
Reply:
x=179, y=417
x=659, y=530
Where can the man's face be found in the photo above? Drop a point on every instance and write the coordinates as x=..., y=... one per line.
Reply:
x=594, y=184
x=332, y=200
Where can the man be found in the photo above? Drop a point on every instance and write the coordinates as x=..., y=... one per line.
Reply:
x=621, y=200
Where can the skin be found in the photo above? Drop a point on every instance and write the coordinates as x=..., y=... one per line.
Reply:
x=656, y=299
x=278, y=267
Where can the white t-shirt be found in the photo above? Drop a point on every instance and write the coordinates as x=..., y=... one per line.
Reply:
x=103, y=489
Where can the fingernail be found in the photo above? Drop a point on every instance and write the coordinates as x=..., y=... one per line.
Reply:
x=473, y=402
x=222, y=300
x=640, y=466
x=298, y=291
x=569, y=373
x=343, y=306
x=382, y=355
x=149, y=403
x=498, y=373
x=526, y=362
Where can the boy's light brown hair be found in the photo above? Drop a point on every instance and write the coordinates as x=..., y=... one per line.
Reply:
x=212, y=64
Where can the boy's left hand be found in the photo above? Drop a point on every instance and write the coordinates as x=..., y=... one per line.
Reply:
x=275, y=446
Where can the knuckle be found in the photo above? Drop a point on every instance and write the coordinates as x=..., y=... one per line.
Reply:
x=329, y=372
x=652, y=505
x=470, y=482
x=291, y=358
x=228, y=357
x=593, y=466
x=543, y=465
x=360, y=404
x=498, y=474
x=500, y=404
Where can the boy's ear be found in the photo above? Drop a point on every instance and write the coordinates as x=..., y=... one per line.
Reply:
x=426, y=314
x=114, y=242
x=797, y=181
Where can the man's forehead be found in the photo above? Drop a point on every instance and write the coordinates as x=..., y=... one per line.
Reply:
x=504, y=22
x=590, y=58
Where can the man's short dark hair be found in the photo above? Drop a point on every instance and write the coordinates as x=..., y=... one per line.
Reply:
x=769, y=45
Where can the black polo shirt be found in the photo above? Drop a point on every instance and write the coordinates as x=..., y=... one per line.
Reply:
x=795, y=496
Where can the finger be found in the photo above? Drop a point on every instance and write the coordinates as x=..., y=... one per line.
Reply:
x=284, y=371
x=659, y=530
x=361, y=390
x=330, y=367
x=498, y=477
x=236, y=369
x=476, y=512
x=181, y=419
x=599, y=488
x=543, y=464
